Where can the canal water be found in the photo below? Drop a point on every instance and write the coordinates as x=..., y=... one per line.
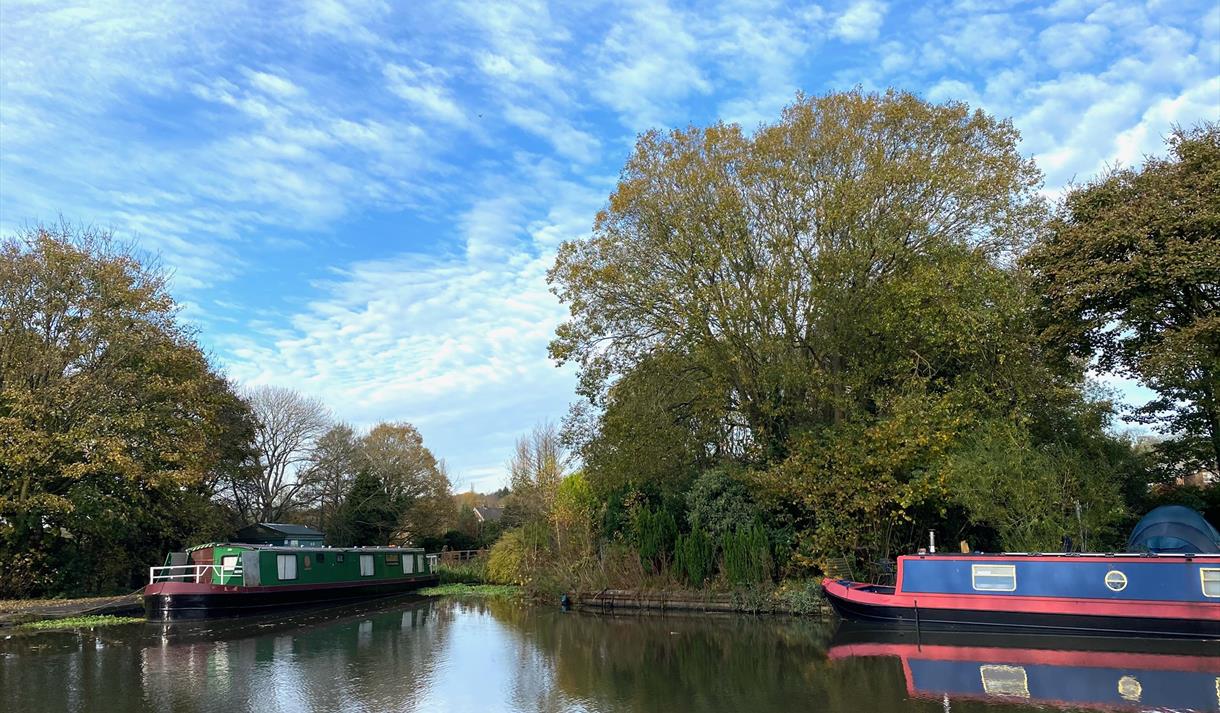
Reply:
x=491, y=655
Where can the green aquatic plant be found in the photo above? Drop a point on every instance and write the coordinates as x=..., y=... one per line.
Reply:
x=81, y=622
x=494, y=591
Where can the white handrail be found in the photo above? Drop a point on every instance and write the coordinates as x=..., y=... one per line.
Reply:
x=190, y=572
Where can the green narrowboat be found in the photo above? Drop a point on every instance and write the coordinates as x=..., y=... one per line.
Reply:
x=227, y=579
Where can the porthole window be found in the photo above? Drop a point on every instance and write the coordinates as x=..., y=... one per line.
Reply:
x=1116, y=581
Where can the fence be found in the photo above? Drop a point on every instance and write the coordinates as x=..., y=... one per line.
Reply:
x=456, y=556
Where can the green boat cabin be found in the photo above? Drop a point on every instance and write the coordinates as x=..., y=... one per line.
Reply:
x=262, y=566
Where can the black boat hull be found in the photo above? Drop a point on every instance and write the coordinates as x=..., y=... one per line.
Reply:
x=207, y=605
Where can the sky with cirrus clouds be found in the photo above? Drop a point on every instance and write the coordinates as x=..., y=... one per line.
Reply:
x=360, y=200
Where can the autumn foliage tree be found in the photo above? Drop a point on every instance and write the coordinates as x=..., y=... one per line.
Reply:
x=1131, y=277
x=116, y=429
x=830, y=303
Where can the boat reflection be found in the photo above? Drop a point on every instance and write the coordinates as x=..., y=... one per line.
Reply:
x=1137, y=674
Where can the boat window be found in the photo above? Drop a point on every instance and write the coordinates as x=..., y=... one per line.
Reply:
x=391, y=559
x=228, y=563
x=286, y=566
x=1001, y=680
x=408, y=564
x=339, y=557
x=994, y=577
x=321, y=557
x=1211, y=581
x=308, y=562
x=366, y=565
x=1116, y=581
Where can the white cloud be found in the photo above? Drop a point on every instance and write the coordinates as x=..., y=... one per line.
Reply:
x=456, y=345
x=1072, y=44
x=424, y=89
x=861, y=21
x=569, y=141
x=1201, y=102
x=273, y=84
x=648, y=63
x=348, y=20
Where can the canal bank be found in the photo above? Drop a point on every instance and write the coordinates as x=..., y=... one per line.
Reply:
x=16, y=612
x=803, y=599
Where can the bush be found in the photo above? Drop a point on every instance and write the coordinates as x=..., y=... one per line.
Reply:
x=747, y=555
x=720, y=502
x=472, y=571
x=654, y=532
x=695, y=556
x=801, y=597
x=506, y=562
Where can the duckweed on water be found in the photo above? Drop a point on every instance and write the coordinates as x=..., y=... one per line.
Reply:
x=495, y=591
x=80, y=622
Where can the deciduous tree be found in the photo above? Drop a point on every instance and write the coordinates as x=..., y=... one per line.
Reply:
x=762, y=259
x=1131, y=276
x=115, y=427
x=333, y=465
x=287, y=427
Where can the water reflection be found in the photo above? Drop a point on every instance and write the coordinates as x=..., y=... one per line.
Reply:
x=1136, y=674
x=427, y=655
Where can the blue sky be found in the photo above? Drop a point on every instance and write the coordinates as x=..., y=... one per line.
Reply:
x=360, y=200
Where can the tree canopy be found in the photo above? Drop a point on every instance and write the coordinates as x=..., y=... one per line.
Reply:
x=768, y=261
x=832, y=303
x=1130, y=274
x=116, y=428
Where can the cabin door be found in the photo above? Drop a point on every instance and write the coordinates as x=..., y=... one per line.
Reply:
x=202, y=557
x=249, y=569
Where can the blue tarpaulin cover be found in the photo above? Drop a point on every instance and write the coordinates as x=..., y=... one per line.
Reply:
x=1174, y=528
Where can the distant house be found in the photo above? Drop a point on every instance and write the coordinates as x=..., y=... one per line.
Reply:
x=284, y=535
x=488, y=514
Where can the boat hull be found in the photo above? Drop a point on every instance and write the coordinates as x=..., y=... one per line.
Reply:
x=174, y=601
x=855, y=603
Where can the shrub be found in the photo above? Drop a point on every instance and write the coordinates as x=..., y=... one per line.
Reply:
x=654, y=532
x=802, y=597
x=747, y=555
x=471, y=571
x=720, y=502
x=506, y=562
x=695, y=555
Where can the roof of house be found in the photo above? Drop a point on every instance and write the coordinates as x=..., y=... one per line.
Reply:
x=287, y=529
x=488, y=513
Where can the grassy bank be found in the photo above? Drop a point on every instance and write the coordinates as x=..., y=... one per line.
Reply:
x=791, y=597
x=80, y=622
x=494, y=591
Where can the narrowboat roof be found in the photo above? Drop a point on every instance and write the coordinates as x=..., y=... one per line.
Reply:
x=308, y=548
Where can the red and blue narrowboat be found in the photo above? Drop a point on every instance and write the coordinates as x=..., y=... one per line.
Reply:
x=227, y=579
x=1174, y=595
x=1170, y=589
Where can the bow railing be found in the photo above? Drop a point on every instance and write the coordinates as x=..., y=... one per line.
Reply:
x=192, y=573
